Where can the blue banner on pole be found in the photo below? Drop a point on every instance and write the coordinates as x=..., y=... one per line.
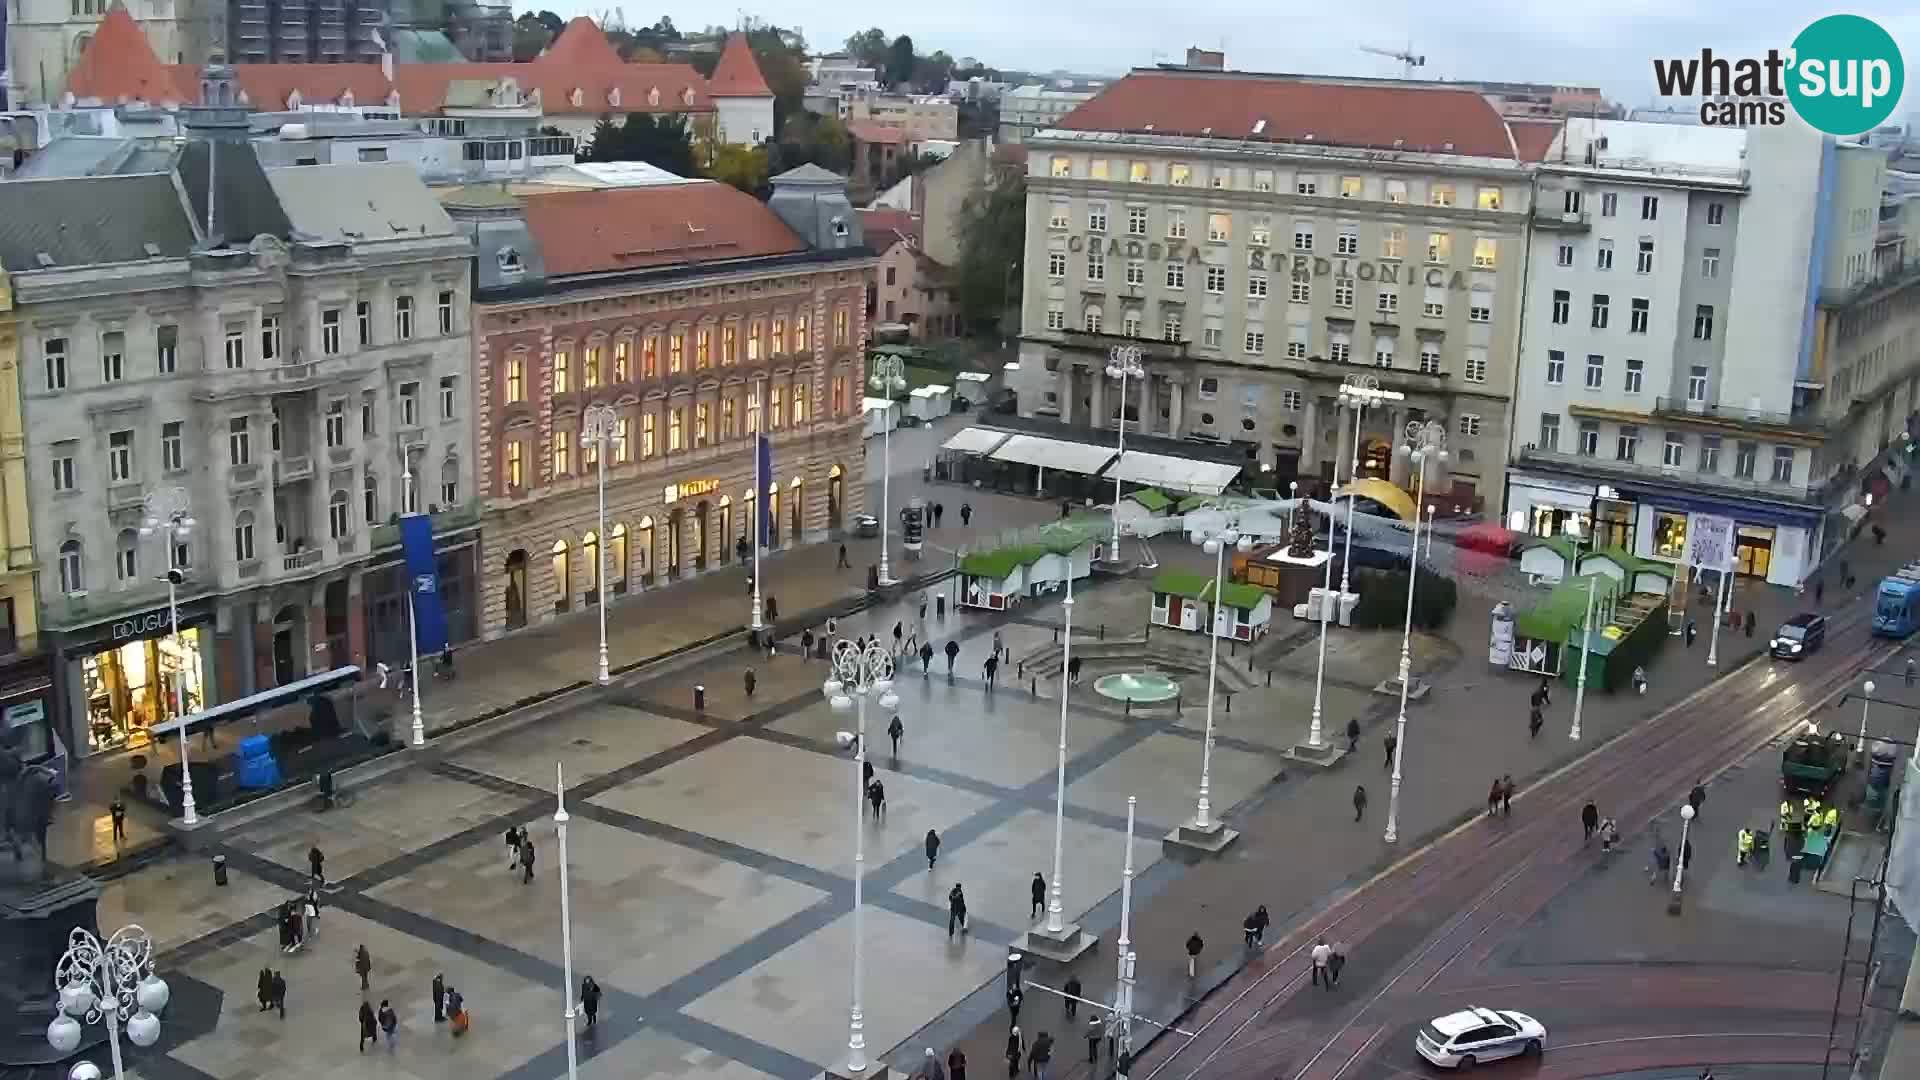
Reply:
x=423, y=572
x=763, y=476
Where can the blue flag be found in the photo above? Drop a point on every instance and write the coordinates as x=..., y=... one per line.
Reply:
x=762, y=477
x=423, y=573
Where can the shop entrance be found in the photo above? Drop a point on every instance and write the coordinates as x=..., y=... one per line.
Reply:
x=1753, y=550
x=517, y=589
x=676, y=533
x=702, y=514
x=131, y=687
x=1550, y=521
x=836, y=496
x=1376, y=458
x=726, y=528
x=287, y=642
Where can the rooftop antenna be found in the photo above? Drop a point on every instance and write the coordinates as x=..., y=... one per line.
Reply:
x=1409, y=60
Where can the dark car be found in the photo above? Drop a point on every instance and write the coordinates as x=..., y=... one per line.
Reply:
x=1799, y=636
x=866, y=525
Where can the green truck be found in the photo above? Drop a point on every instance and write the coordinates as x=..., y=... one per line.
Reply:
x=1812, y=762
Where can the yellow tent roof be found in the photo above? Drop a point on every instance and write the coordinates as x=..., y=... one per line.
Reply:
x=1382, y=492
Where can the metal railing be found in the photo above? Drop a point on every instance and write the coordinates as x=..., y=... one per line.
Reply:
x=1733, y=414
x=1900, y=273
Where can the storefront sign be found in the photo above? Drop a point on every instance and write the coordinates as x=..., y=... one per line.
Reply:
x=1710, y=541
x=690, y=489
x=1301, y=267
x=31, y=712
x=153, y=622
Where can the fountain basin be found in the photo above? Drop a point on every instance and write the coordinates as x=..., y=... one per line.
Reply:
x=1139, y=687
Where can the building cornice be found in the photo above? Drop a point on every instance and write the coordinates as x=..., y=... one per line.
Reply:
x=1278, y=152
x=611, y=286
x=1504, y=222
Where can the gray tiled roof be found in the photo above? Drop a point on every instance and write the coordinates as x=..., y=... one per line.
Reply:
x=90, y=220
x=359, y=203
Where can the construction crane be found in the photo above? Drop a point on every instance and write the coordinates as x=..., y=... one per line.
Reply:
x=1407, y=57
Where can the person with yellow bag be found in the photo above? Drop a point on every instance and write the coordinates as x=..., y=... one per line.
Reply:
x=1743, y=846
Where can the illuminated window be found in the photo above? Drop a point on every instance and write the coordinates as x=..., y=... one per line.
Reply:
x=562, y=451
x=800, y=333
x=703, y=348
x=677, y=352
x=754, y=331
x=776, y=407
x=676, y=429
x=562, y=371
x=799, y=403
x=701, y=421
x=753, y=412
x=622, y=360
x=590, y=369
x=779, y=346
x=729, y=341
x=650, y=357
x=516, y=379
x=647, y=436
x=840, y=326
x=516, y=464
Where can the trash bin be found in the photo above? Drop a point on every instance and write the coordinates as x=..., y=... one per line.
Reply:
x=873, y=578
x=820, y=648
x=700, y=699
x=220, y=870
x=940, y=605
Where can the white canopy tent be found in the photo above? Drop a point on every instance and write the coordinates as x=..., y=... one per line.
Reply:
x=1058, y=454
x=1179, y=474
x=975, y=440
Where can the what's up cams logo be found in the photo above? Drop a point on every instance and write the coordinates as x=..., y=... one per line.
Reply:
x=1843, y=75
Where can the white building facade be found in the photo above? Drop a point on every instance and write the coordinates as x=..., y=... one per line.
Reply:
x=1027, y=109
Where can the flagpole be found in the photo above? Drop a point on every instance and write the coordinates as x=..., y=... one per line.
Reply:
x=759, y=494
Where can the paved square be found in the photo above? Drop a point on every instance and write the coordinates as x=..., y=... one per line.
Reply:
x=726, y=793
x=797, y=1000
x=590, y=741
x=1279, y=717
x=176, y=901
x=1150, y=770
x=651, y=1054
x=996, y=869
x=395, y=818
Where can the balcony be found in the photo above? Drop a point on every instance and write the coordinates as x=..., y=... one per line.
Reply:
x=301, y=560
x=1683, y=408
x=1151, y=349
x=292, y=467
x=1611, y=469
x=125, y=496
x=267, y=378
x=1547, y=218
x=1893, y=277
x=241, y=477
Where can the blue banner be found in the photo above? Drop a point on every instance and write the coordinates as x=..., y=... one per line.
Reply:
x=762, y=477
x=423, y=570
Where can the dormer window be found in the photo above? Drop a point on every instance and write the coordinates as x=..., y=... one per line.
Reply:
x=293, y=101
x=508, y=260
x=613, y=98
x=840, y=228
x=576, y=98
x=686, y=96
x=653, y=96
x=346, y=99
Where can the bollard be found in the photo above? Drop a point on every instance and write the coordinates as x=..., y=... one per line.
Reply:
x=1147, y=634
x=1229, y=701
x=699, y=699
x=1126, y=708
x=1033, y=688
x=220, y=870
x=1103, y=631
x=1056, y=635
x=1269, y=678
x=1020, y=670
x=1233, y=648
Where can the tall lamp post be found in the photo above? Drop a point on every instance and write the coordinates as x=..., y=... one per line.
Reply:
x=887, y=374
x=1123, y=948
x=1719, y=605
x=1860, y=745
x=1123, y=362
x=1680, y=859
x=597, y=424
x=1356, y=393
x=168, y=513
x=1215, y=545
x=1426, y=444
x=1056, y=918
x=759, y=496
x=859, y=673
x=1586, y=641
x=560, y=819
x=413, y=632
x=98, y=982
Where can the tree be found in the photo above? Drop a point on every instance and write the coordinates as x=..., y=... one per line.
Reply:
x=810, y=138
x=745, y=167
x=646, y=54
x=869, y=48
x=552, y=22
x=900, y=61
x=660, y=141
x=932, y=73
x=783, y=63
x=530, y=37
x=992, y=228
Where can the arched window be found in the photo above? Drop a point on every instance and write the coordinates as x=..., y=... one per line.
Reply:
x=371, y=496
x=449, y=483
x=339, y=515
x=562, y=576
x=590, y=554
x=243, y=536
x=73, y=577
x=126, y=555
x=617, y=559
x=516, y=379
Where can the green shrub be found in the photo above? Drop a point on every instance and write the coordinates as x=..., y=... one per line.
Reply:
x=1383, y=599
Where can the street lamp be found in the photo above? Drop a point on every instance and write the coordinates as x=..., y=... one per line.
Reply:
x=889, y=376
x=168, y=513
x=859, y=673
x=1680, y=859
x=597, y=426
x=1123, y=1003
x=560, y=819
x=1359, y=393
x=1123, y=361
x=1356, y=392
x=1430, y=512
x=1586, y=642
x=1860, y=747
x=1215, y=545
x=97, y=982
x=1056, y=921
x=1713, y=635
x=1426, y=443
x=413, y=630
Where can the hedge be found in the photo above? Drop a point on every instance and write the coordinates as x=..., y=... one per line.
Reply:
x=1383, y=599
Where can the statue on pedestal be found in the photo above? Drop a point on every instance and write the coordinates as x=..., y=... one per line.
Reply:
x=27, y=794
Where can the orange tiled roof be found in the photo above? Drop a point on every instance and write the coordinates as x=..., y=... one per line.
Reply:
x=869, y=131
x=120, y=56
x=1534, y=137
x=612, y=229
x=738, y=74
x=1427, y=119
x=580, y=45
x=886, y=226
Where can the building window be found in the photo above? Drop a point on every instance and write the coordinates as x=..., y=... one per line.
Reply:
x=1439, y=247
x=1170, y=328
x=676, y=352
x=1562, y=307
x=800, y=333
x=363, y=315
x=1383, y=352
x=273, y=429
x=623, y=449
x=1609, y=204
x=1343, y=292
x=1176, y=223
x=841, y=334
x=1347, y=243
x=562, y=451
x=1478, y=310
x=1056, y=264
x=516, y=473
x=1649, y=207
x=1556, y=367
x=1475, y=368
x=1217, y=280
x=1290, y=400
x=1350, y=187
x=370, y=498
x=1387, y=302
x=446, y=311
x=1138, y=172
x=1638, y=316
x=1564, y=255
x=1469, y=423
x=1256, y=342
x=590, y=368
x=1137, y=220
x=1703, y=322
x=409, y=404
x=1643, y=259
x=1434, y=303
x=1710, y=262
x=1256, y=286
x=1056, y=219
x=1260, y=230
x=243, y=536
x=336, y=422
x=171, y=446
x=1096, y=266
x=448, y=399
x=729, y=347
x=236, y=347
x=73, y=578
x=120, y=456
x=1306, y=185
x=1176, y=274
x=1303, y=236
x=1097, y=218
x=1130, y=324
x=1396, y=191
x=1393, y=243
x=562, y=370
x=1550, y=431
x=1716, y=213
x=1440, y=195
x=1219, y=228
x=1210, y=337
x=1056, y=315
x=1600, y=302
x=1429, y=358
x=1486, y=253
x=1697, y=383
x=1745, y=456
x=1090, y=320
x=330, y=332
x=239, y=443
x=369, y=409
x=1062, y=165
x=1136, y=274
x=1603, y=255
x=403, y=318
x=1709, y=453
x=1635, y=370
x=1596, y=371
x=676, y=430
x=1782, y=464
x=269, y=337
x=1589, y=438
x=516, y=379
x=1300, y=290
x=650, y=348
x=339, y=515
x=649, y=442
x=1674, y=454
x=1488, y=198
x=113, y=356
x=623, y=355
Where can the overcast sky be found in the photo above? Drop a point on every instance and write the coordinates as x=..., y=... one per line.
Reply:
x=1609, y=43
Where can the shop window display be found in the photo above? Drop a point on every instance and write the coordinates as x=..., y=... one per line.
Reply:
x=131, y=687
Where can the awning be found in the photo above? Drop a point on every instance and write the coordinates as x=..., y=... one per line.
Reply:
x=975, y=440
x=265, y=699
x=1180, y=474
x=1054, y=454
x=1383, y=492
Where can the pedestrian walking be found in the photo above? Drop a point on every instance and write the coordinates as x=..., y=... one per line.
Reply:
x=895, y=729
x=362, y=966
x=118, y=809
x=1534, y=720
x=590, y=1000
x=1691, y=631
x=1749, y=622
x=966, y=514
x=1266, y=920
x=1336, y=961
x=457, y=1012
x=389, y=1020
x=1909, y=677
x=369, y=1029
x=806, y=643
x=1543, y=694
x=1072, y=989
x=1819, y=592
x=1250, y=928
x=280, y=994
x=1041, y=1055
x=899, y=631
x=1322, y=956
x=843, y=564
x=1073, y=671
x=956, y=911
x=1697, y=798
x=309, y=917
x=877, y=795
x=1589, y=821
x=999, y=647
x=866, y=770
x=1359, y=801
x=316, y=863
x=526, y=858
x=1353, y=734
x=956, y=1064
x=439, y=999
x=1390, y=743
x=953, y=653
x=1066, y=508
x=1016, y=1050
x=933, y=847
x=989, y=668
x=926, y=658
x=263, y=989
x=749, y=680
x=1506, y=796
x=930, y=1067
x=1493, y=798
x=1194, y=945
x=1015, y=998
x=513, y=848
x=1037, y=893
x=1686, y=855
x=923, y=605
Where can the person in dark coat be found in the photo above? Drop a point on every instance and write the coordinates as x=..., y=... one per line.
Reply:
x=1534, y=721
x=1037, y=893
x=1041, y=1055
x=1194, y=945
x=1390, y=743
x=866, y=772
x=953, y=653
x=590, y=1000
x=1016, y=1050
x=1072, y=988
x=1697, y=798
x=1359, y=801
x=526, y=858
x=895, y=729
x=1749, y=623
x=439, y=999
x=1073, y=671
x=1506, y=796
x=316, y=862
x=389, y=1021
x=926, y=658
x=1250, y=928
x=1589, y=821
x=940, y=511
x=748, y=680
x=877, y=796
x=1353, y=734
x=280, y=994
x=773, y=609
x=956, y=1064
x=513, y=848
x=264, y=990
x=1015, y=998
x=456, y=1006
x=989, y=668
x=362, y=966
x=369, y=1030
x=1266, y=920
x=966, y=514
x=933, y=847
x=956, y=911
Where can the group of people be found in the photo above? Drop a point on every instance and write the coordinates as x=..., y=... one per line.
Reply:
x=299, y=920
x=1500, y=797
x=1591, y=822
x=520, y=853
x=1328, y=961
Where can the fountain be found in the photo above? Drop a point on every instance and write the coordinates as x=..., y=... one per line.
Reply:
x=1138, y=687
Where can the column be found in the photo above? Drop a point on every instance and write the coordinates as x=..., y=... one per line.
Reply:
x=1098, y=416
x=1400, y=471
x=1146, y=405
x=1176, y=417
x=1065, y=381
x=1310, y=437
x=356, y=620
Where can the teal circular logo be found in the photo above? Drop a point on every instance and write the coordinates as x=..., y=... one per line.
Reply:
x=1845, y=75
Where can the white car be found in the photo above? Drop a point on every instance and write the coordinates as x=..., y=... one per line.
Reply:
x=1463, y=1039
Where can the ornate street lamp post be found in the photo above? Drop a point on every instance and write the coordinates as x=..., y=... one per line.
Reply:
x=858, y=674
x=1426, y=444
x=1123, y=362
x=98, y=982
x=169, y=514
x=597, y=429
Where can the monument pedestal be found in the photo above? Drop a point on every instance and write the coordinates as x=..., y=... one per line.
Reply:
x=34, y=922
x=1324, y=756
x=875, y=1070
x=1063, y=947
x=1417, y=688
x=1210, y=839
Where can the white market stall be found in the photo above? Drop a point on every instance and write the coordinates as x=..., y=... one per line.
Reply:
x=930, y=402
x=882, y=415
x=1184, y=601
